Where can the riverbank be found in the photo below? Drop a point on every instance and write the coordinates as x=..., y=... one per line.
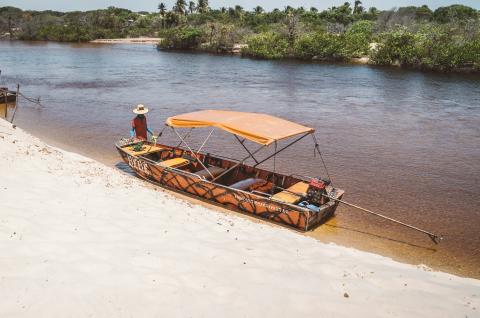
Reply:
x=237, y=50
x=140, y=40
x=87, y=239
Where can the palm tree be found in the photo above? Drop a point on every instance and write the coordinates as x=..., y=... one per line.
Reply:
x=258, y=10
x=180, y=6
x=172, y=19
x=191, y=7
x=162, y=8
x=238, y=10
x=202, y=6
x=357, y=9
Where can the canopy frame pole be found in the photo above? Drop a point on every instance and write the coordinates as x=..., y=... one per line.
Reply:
x=193, y=153
x=282, y=149
x=317, y=148
x=155, y=139
x=245, y=147
x=185, y=137
x=238, y=163
x=434, y=237
x=274, y=175
x=208, y=137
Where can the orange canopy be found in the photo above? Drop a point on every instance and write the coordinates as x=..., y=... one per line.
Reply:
x=260, y=128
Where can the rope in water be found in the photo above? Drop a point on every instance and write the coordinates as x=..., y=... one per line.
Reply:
x=31, y=100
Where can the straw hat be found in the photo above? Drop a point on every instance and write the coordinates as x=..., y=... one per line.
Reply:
x=140, y=109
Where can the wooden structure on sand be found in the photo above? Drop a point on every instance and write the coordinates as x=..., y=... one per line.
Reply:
x=8, y=102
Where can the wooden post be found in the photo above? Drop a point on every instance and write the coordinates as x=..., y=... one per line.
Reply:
x=6, y=103
x=16, y=103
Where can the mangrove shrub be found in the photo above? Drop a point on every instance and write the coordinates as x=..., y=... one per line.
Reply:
x=432, y=47
x=181, y=38
x=358, y=38
x=395, y=47
x=321, y=45
x=267, y=45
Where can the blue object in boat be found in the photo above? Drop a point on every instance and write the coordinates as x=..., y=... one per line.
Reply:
x=309, y=206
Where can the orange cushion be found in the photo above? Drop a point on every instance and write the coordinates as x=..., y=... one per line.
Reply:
x=299, y=190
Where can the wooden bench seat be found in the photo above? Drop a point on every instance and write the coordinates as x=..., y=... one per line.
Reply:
x=146, y=149
x=293, y=194
x=174, y=163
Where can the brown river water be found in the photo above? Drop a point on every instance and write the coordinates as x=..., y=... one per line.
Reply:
x=401, y=142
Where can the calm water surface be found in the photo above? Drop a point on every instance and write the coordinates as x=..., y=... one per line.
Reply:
x=405, y=143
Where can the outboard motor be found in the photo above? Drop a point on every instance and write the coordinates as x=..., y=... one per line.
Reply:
x=316, y=191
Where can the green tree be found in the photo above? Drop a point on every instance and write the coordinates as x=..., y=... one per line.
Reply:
x=342, y=14
x=162, y=8
x=172, y=19
x=289, y=9
x=396, y=46
x=181, y=38
x=358, y=37
x=258, y=10
x=424, y=13
x=456, y=12
x=180, y=7
x=320, y=45
x=203, y=6
x=191, y=7
x=238, y=10
x=357, y=8
x=292, y=27
x=267, y=45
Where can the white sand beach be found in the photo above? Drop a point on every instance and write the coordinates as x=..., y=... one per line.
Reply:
x=79, y=239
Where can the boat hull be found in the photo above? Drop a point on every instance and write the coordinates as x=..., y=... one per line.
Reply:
x=243, y=201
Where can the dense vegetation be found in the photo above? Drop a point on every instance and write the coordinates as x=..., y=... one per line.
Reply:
x=445, y=39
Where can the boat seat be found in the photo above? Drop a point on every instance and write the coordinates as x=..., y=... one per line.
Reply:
x=246, y=183
x=214, y=170
x=174, y=163
x=146, y=149
x=293, y=194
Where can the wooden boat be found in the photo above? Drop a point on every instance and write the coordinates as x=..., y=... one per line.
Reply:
x=292, y=200
x=8, y=100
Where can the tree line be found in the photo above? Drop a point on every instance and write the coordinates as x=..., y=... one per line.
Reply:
x=443, y=39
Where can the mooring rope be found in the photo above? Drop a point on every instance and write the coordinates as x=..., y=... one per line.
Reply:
x=31, y=100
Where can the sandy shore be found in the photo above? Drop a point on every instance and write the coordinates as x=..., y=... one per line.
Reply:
x=79, y=239
x=142, y=40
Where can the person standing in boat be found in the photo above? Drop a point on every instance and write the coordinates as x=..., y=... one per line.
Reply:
x=139, y=123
